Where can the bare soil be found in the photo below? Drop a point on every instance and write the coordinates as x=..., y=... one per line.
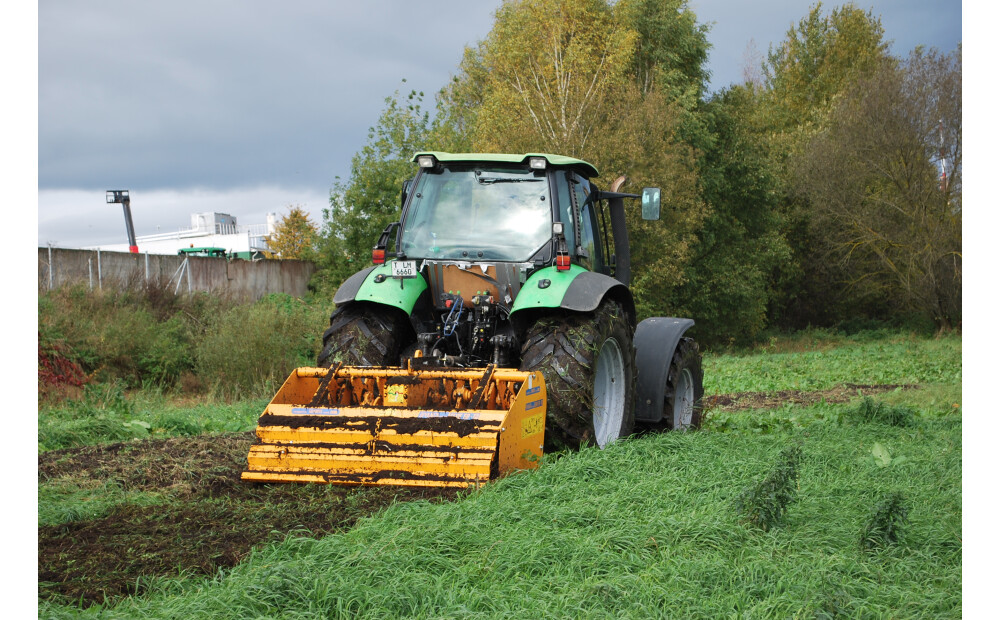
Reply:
x=209, y=519
x=773, y=400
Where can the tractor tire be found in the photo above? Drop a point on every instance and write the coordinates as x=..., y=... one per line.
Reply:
x=683, y=398
x=588, y=363
x=363, y=335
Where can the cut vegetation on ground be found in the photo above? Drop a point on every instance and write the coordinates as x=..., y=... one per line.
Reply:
x=161, y=526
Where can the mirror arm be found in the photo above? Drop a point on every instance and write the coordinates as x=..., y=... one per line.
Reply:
x=605, y=195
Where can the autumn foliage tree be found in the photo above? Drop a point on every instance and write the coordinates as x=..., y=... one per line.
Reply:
x=295, y=236
x=553, y=66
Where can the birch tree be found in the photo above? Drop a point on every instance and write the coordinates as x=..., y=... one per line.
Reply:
x=550, y=68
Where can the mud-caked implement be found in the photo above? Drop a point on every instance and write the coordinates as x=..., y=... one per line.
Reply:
x=495, y=322
x=350, y=425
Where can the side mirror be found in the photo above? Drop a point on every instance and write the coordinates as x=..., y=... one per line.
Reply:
x=651, y=203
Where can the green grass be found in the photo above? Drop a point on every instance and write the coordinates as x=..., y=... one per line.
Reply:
x=650, y=527
x=105, y=414
x=644, y=529
x=897, y=360
x=65, y=502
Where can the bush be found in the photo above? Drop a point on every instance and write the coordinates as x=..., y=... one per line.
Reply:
x=138, y=335
x=764, y=504
x=145, y=336
x=251, y=349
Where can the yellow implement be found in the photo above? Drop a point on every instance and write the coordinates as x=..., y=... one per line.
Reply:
x=398, y=426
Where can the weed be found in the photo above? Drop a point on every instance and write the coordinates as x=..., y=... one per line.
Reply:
x=178, y=425
x=55, y=368
x=764, y=504
x=885, y=523
x=869, y=411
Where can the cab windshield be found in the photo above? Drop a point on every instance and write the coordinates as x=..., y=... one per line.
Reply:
x=483, y=212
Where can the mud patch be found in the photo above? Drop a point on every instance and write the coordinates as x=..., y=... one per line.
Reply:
x=211, y=519
x=773, y=400
x=202, y=466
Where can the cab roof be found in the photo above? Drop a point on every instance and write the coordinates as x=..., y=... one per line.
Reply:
x=588, y=170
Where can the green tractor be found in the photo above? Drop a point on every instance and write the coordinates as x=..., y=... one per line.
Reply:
x=510, y=260
x=503, y=290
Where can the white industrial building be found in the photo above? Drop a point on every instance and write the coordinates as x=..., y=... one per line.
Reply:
x=208, y=230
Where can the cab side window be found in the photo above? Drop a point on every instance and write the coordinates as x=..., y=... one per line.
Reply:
x=591, y=257
x=572, y=187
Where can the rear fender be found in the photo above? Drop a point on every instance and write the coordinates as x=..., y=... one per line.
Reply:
x=655, y=341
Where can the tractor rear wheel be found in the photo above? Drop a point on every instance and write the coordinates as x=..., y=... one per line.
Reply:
x=682, y=409
x=363, y=335
x=589, y=367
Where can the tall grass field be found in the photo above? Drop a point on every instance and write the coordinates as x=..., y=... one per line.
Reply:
x=840, y=505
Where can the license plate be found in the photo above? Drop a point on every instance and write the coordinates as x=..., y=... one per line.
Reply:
x=404, y=268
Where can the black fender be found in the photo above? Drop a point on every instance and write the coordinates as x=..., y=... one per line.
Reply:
x=655, y=341
x=349, y=288
x=589, y=289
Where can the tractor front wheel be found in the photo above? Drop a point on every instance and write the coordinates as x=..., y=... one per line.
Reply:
x=589, y=367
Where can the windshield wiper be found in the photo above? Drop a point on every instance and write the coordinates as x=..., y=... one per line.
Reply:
x=492, y=180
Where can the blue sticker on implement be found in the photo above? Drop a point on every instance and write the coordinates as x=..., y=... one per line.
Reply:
x=461, y=415
x=533, y=390
x=533, y=404
x=314, y=411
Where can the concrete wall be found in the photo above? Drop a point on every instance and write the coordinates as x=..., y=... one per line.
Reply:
x=238, y=278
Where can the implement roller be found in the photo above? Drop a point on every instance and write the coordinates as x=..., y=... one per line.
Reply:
x=351, y=425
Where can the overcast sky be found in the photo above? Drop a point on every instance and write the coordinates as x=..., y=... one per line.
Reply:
x=246, y=107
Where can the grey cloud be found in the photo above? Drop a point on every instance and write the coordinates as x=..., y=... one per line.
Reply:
x=229, y=95
x=225, y=93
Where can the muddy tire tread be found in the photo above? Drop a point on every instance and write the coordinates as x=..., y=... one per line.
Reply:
x=565, y=348
x=362, y=335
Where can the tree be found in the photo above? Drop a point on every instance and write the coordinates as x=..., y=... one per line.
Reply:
x=672, y=48
x=804, y=76
x=729, y=282
x=874, y=177
x=549, y=67
x=294, y=237
x=818, y=59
